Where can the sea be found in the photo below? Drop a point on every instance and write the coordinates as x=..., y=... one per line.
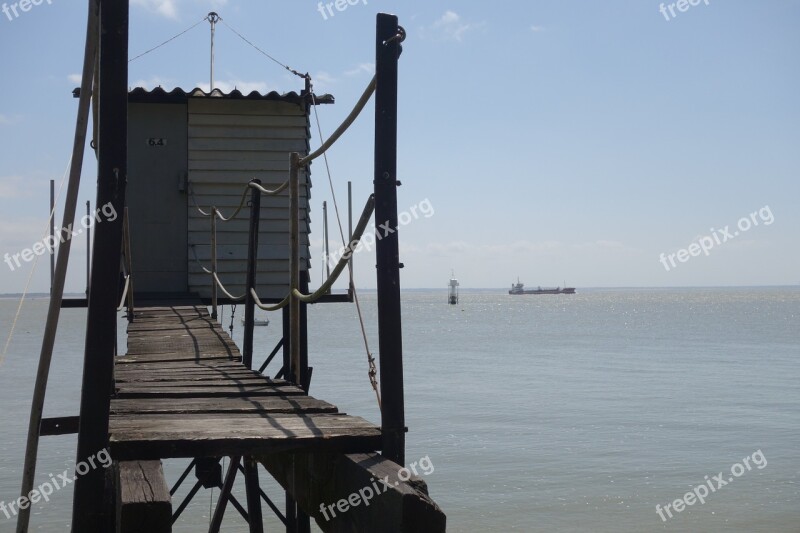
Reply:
x=553, y=413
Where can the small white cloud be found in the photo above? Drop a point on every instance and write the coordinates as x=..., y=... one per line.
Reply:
x=165, y=8
x=75, y=78
x=537, y=29
x=452, y=27
x=363, y=68
x=5, y=119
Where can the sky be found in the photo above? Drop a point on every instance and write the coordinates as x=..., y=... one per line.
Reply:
x=555, y=141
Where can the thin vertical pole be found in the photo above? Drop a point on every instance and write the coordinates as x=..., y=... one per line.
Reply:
x=252, y=264
x=212, y=18
x=91, y=500
x=213, y=263
x=327, y=252
x=88, y=250
x=387, y=250
x=52, y=216
x=126, y=231
x=350, y=224
x=294, y=268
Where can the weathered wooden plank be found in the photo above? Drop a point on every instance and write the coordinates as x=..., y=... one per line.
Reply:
x=143, y=500
x=216, y=364
x=317, y=479
x=238, y=376
x=146, y=437
x=127, y=390
x=208, y=384
x=176, y=357
x=264, y=405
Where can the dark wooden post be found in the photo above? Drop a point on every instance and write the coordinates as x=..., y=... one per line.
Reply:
x=252, y=266
x=90, y=508
x=390, y=341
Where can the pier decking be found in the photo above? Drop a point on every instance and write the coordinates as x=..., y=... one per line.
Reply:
x=182, y=391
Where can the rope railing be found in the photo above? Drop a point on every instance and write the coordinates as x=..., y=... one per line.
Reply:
x=359, y=107
x=344, y=260
x=280, y=305
x=224, y=290
x=122, y=301
x=295, y=297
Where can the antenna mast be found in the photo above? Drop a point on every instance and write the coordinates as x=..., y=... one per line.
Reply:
x=213, y=18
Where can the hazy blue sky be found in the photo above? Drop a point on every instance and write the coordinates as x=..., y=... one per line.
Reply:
x=556, y=140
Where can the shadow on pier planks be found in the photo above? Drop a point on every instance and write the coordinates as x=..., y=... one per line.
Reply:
x=182, y=391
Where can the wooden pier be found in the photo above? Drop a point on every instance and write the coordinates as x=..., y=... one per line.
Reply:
x=182, y=391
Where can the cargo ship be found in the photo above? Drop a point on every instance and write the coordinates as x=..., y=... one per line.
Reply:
x=519, y=288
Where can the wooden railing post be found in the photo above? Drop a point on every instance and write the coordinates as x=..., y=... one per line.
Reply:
x=214, y=263
x=252, y=265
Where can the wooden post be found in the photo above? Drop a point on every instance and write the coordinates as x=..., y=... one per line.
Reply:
x=88, y=251
x=253, y=495
x=90, y=505
x=252, y=265
x=294, y=268
x=390, y=341
x=143, y=499
x=126, y=233
x=213, y=263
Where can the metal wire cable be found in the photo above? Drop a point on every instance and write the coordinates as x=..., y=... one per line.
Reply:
x=373, y=370
x=168, y=40
x=245, y=39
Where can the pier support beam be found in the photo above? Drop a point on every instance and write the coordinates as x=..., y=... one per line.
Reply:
x=91, y=510
x=332, y=482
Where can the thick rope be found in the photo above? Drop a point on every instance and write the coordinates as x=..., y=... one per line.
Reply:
x=283, y=303
x=194, y=253
x=373, y=369
x=344, y=261
x=121, y=305
x=269, y=192
x=223, y=289
x=359, y=107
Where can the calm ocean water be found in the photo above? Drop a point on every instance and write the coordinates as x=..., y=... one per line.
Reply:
x=539, y=413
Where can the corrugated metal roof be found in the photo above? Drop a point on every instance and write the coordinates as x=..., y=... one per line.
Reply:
x=178, y=95
x=159, y=95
